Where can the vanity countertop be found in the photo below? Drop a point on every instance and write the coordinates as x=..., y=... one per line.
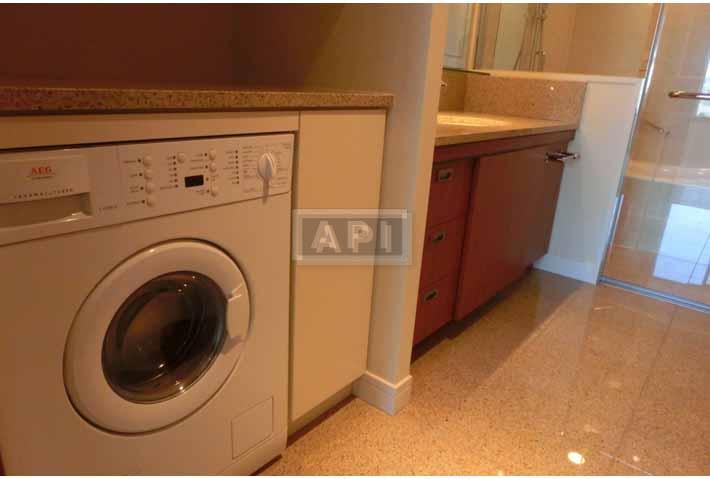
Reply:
x=500, y=127
x=43, y=100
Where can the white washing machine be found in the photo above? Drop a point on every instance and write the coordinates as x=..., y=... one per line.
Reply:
x=145, y=306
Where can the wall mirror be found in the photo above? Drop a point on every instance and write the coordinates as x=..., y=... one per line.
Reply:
x=599, y=39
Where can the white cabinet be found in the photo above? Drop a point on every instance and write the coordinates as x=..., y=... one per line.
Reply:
x=339, y=163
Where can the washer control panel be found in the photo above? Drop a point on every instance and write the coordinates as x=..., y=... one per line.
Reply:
x=222, y=170
x=49, y=192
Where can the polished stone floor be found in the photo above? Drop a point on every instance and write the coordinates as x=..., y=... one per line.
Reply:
x=555, y=377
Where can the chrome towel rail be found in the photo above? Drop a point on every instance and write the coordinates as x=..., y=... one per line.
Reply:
x=689, y=95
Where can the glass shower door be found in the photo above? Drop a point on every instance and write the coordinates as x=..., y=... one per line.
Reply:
x=662, y=237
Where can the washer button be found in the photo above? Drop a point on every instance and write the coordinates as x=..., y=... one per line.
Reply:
x=213, y=167
x=214, y=190
x=182, y=157
x=213, y=154
x=147, y=160
x=150, y=187
x=151, y=200
x=148, y=174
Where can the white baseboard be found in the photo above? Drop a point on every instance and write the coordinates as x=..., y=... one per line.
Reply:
x=583, y=271
x=384, y=395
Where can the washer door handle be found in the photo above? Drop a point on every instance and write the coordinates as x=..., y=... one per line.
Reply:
x=238, y=313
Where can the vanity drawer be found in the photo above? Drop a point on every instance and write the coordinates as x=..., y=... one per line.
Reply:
x=435, y=307
x=448, y=194
x=442, y=250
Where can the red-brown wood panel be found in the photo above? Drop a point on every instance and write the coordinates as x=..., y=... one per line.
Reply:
x=546, y=205
x=487, y=257
x=442, y=250
x=501, y=145
x=512, y=207
x=511, y=211
x=449, y=191
x=435, y=307
x=527, y=188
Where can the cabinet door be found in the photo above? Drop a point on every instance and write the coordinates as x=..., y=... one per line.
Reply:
x=546, y=205
x=488, y=253
x=330, y=304
x=512, y=207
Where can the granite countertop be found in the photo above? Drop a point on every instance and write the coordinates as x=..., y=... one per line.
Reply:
x=16, y=100
x=507, y=127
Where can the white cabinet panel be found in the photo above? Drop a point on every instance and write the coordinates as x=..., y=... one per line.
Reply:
x=339, y=163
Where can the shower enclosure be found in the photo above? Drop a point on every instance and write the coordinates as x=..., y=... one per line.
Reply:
x=661, y=243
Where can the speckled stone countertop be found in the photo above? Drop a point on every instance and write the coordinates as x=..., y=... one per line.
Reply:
x=42, y=100
x=505, y=127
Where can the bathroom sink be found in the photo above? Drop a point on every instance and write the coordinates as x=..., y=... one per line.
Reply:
x=468, y=120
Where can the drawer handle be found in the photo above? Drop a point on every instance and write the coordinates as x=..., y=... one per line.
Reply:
x=445, y=174
x=561, y=156
x=439, y=237
x=431, y=295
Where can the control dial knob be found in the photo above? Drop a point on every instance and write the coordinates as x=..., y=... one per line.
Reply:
x=266, y=167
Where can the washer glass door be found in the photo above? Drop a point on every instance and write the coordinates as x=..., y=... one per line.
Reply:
x=164, y=336
x=157, y=337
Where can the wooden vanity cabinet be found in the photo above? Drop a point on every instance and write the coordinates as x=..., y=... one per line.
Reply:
x=486, y=223
x=511, y=211
x=446, y=223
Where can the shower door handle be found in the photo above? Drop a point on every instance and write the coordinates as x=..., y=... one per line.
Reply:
x=689, y=95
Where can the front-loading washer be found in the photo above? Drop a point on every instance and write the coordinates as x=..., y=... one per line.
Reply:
x=145, y=299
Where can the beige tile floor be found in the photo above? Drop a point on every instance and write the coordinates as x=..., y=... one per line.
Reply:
x=554, y=369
